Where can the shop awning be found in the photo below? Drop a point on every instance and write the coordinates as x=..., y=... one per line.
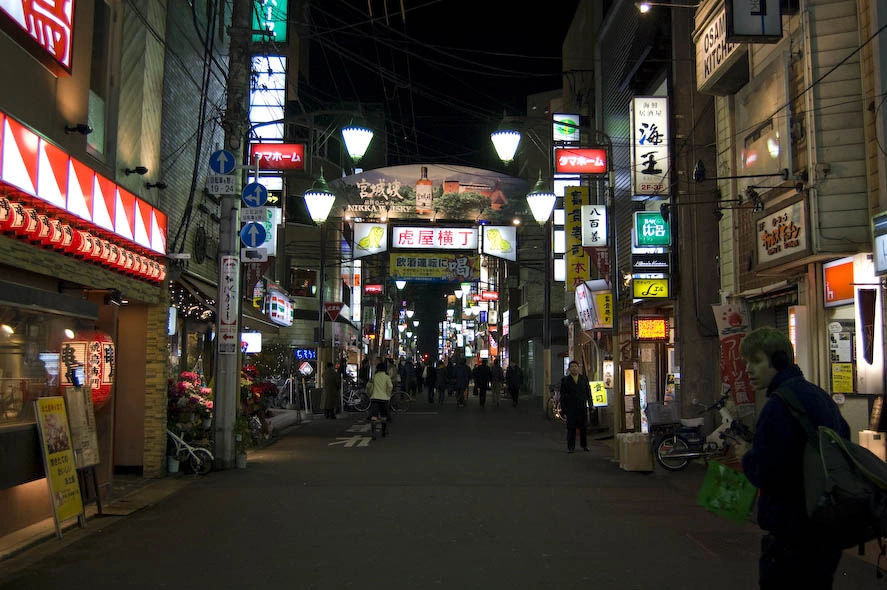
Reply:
x=253, y=319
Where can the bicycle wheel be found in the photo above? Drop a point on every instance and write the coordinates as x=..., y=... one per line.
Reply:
x=255, y=429
x=201, y=461
x=667, y=445
x=398, y=401
x=363, y=401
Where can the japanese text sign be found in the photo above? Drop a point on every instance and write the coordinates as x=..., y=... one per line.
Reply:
x=782, y=233
x=733, y=324
x=459, y=238
x=278, y=156
x=651, y=230
x=591, y=161
x=650, y=163
x=594, y=226
x=575, y=259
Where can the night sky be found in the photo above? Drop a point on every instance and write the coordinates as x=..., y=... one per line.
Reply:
x=445, y=75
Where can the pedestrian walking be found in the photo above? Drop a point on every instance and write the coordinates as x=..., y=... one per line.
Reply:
x=481, y=375
x=792, y=552
x=461, y=378
x=514, y=378
x=329, y=397
x=430, y=379
x=380, y=396
x=575, y=396
x=497, y=378
x=408, y=377
x=450, y=376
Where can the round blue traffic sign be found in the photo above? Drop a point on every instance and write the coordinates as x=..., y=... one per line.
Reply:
x=254, y=195
x=253, y=234
x=222, y=162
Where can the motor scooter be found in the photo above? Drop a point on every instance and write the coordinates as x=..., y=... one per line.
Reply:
x=680, y=442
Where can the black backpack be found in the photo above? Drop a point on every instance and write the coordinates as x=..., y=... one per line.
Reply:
x=845, y=485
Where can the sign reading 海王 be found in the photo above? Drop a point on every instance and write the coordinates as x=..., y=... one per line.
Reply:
x=650, y=162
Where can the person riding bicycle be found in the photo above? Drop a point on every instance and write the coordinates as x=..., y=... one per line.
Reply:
x=380, y=388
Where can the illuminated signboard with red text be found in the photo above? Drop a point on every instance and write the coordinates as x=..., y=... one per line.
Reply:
x=651, y=328
x=580, y=161
x=45, y=28
x=372, y=289
x=278, y=156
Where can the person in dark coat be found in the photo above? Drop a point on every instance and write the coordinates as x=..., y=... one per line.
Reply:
x=329, y=399
x=514, y=378
x=430, y=372
x=497, y=378
x=575, y=396
x=482, y=376
x=461, y=378
x=791, y=550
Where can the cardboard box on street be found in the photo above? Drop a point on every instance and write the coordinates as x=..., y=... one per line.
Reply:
x=634, y=451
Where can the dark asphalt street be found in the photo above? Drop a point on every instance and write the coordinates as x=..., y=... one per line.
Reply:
x=453, y=498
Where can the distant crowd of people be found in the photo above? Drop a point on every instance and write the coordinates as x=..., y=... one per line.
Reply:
x=452, y=378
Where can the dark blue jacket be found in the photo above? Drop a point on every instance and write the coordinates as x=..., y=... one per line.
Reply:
x=774, y=463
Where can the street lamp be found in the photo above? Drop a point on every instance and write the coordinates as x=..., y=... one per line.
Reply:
x=357, y=140
x=541, y=202
x=319, y=199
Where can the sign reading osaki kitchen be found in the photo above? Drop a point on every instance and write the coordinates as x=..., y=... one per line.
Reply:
x=649, y=154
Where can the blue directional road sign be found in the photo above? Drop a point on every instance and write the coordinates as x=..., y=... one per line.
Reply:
x=222, y=162
x=254, y=195
x=253, y=235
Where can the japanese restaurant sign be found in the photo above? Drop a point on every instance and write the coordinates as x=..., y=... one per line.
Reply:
x=43, y=27
x=650, y=163
x=575, y=258
x=733, y=324
x=594, y=226
x=651, y=328
x=451, y=238
x=781, y=235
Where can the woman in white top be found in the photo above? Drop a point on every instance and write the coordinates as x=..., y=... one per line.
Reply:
x=380, y=394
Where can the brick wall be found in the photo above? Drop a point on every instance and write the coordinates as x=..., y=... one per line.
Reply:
x=156, y=376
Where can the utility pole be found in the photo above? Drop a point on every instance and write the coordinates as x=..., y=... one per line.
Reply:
x=235, y=124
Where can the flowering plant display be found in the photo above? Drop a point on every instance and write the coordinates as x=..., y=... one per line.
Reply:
x=189, y=404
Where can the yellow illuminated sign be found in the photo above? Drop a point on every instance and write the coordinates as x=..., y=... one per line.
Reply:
x=598, y=394
x=651, y=328
x=649, y=288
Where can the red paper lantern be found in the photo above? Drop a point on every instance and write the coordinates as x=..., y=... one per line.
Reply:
x=55, y=233
x=94, y=351
x=31, y=226
x=67, y=241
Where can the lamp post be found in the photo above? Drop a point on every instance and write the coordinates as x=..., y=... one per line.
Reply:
x=541, y=202
x=319, y=200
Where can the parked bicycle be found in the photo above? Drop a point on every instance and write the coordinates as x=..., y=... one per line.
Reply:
x=199, y=459
x=354, y=397
x=680, y=442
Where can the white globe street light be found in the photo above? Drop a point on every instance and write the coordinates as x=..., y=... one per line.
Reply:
x=357, y=140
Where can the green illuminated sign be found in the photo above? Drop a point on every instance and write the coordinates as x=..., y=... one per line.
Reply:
x=650, y=230
x=270, y=15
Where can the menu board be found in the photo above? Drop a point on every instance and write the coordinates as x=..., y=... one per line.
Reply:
x=58, y=458
x=81, y=416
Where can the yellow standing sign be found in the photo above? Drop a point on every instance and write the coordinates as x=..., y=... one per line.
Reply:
x=58, y=459
x=598, y=394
